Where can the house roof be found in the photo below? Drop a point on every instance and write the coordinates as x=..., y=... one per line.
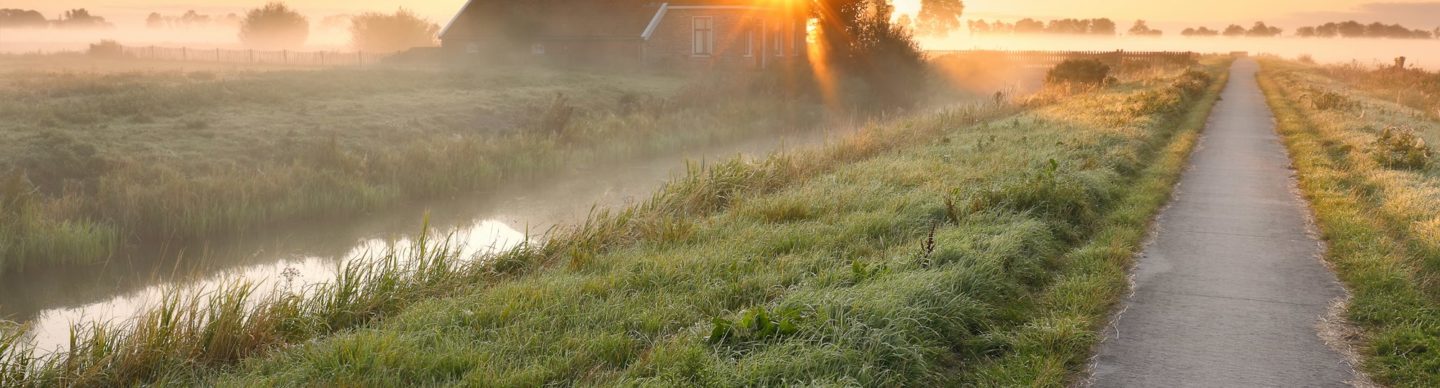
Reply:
x=624, y=19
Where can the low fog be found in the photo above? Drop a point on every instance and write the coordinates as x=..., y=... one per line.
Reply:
x=29, y=41
x=1424, y=53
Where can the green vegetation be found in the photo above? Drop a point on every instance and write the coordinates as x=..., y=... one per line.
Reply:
x=941, y=249
x=93, y=161
x=1079, y=71
x=1374, y=187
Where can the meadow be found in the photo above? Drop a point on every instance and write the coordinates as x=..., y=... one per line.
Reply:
x=1362, y=142
x=982, y=244
x=95, y=161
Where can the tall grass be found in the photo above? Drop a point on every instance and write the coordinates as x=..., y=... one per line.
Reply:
x=175, y=338
x=88, y=192
x=1378, y=218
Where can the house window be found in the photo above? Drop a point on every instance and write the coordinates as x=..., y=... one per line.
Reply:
x=750, y=42
x=703, y=35
x=779, y=46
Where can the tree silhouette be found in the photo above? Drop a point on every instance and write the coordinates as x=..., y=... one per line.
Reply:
x=939, y=17
x=20, y=18
x=1234, y=30
x=392, y=32
x=1263, y=31
x=81, y=18
x=274, y=26
x=1142, y=29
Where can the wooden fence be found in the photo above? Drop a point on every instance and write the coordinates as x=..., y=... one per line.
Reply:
x=1054, y=57
x=283, y=57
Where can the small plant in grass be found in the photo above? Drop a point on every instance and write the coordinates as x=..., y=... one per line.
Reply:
x=556, y=116
x=755, y=325
x=1401, y=148
x=1078, y=71
x=1332, y=101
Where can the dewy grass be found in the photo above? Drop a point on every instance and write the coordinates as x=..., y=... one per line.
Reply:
x=106, y=160
x=629, y=297
x=1380, y=223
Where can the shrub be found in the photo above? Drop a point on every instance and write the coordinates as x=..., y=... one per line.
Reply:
x=106, y=49
x=1328, y=100
x=274, y=26
x=1078, y=71
x=1401, y=148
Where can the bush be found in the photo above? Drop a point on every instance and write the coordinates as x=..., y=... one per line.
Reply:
x=1078, y=71
x=1328, y=100
x=377, y=32
x=1401, y=148
x=107, y=49
x=274, y=26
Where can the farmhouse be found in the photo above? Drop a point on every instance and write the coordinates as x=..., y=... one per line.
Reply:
x=681, y=34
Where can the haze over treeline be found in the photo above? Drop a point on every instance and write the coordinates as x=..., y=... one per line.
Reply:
x=271, y=26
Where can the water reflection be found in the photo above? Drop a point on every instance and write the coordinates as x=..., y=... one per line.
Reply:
x=293, y=256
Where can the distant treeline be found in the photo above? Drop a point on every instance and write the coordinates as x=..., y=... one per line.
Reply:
x=75, y=18
x=1353, y=29
x=1100, y=26
x=190, y=19
x=1259, y=30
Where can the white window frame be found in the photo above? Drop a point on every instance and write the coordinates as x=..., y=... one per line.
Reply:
x=779, y=40
x=750, y=42
x=702, y=38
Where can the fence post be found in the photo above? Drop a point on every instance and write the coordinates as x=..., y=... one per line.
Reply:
x=322, y=58
x=252, y=56
x=285, y=56
x=359, y=58
x=184, y=53
x=152, y=52
x=217, y=55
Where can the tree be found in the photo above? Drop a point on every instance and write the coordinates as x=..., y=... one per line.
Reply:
x=1262, y=31
x=1102, y=26
x=861, y=42
x=274, y=26
x=1234, y=30
x=81, y=18
x=939, y=17
x=20, y=18
x=402, y=30
x=1305, y=32
x=155, y=20
x=1029, y=26
x=1142, y=29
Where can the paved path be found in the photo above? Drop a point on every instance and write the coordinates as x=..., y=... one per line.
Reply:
x=1231, y=291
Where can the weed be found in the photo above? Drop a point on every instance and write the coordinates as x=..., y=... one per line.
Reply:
x=1401, y=148
x=1078, y=71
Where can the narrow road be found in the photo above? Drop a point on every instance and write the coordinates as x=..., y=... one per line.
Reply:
x=1231, y=290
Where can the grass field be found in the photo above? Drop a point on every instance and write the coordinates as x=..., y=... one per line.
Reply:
x=1375, y=190
x=970, y=246
x=93, y=161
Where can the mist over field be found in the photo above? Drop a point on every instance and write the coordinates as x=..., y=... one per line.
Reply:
x=1424, y=53
x=875, y=193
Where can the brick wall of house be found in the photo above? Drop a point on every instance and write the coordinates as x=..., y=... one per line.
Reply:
x=672, y=45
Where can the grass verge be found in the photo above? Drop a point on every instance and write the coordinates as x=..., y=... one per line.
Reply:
x=1379, y=222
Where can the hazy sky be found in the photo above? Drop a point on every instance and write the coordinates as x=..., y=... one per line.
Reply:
x=1284, y=12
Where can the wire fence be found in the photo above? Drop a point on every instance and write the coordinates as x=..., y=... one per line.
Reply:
x=282, y=57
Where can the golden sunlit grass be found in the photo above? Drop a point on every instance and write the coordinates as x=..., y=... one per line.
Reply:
x=1379, y=218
